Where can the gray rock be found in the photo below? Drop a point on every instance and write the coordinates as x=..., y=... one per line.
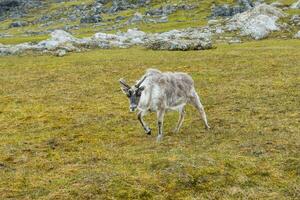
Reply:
x=17, y=8
x=188, y=39
x=137, y=17
x=295, y=5
x=229, y=11
x=168, y=9
x=119, y=18
x=62, y=42
x=295, y=20
x=163, y=19
x=18, y=24
x=91, y=19
x=257, y=22
x=297, y=35
x=234, y=41
x=61, y=52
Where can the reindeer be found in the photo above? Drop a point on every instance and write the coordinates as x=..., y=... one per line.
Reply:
x=160, y=92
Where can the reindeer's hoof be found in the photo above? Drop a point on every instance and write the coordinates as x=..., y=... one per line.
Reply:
x=148, y=131
x=207, y=127
x=159, y=137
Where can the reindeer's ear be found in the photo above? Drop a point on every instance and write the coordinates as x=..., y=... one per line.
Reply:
x=124, y=90
x=124, y=86
x=141, y=88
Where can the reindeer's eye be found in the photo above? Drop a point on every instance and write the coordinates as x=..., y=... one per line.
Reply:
x=129, y=93
x=138, y=93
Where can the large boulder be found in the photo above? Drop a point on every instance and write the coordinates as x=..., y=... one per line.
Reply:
x=89, y=19
x=18, y=24
x=137, y=18
x=297, y=35
x=60, y=40
x=259, y=27
x=17, y=8
x=14, y=49
x=168, y=9
x=119, y=40
x=295, y=5
x=118, y=5
x=228, y=11
x=295, y=20
x=188, y=39
x=257, y=22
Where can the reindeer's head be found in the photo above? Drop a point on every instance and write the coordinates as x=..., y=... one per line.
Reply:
x=133, y=93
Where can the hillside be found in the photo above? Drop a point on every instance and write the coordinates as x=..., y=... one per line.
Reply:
x=36, y=19
x=65, y=128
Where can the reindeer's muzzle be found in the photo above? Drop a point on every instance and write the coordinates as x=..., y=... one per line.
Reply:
x=132, y=108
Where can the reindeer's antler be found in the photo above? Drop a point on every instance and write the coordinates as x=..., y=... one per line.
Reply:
x=122, y=81
x=140, y=82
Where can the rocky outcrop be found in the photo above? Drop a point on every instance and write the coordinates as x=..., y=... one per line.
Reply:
x=17, y=8
x=136, y=18
x=118, y=5
x=18, y=24
x=257, y=22
x=91, y=19
x=168, y=9
x=183, y=40
x=62, y=42
x=297, y=35
x=229, y=11
x=295, y=5
x=295, y=20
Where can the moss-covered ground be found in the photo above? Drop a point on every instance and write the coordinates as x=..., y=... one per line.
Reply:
x=66, y=132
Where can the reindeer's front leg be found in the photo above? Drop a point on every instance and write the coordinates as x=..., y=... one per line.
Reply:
x=160, y=121
x=141, y=114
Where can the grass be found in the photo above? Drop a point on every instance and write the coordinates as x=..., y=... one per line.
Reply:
x=66, y=132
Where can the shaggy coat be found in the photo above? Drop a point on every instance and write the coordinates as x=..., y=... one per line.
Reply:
x=159, y=92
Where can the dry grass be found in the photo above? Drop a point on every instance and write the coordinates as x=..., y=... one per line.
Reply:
x=66, y=132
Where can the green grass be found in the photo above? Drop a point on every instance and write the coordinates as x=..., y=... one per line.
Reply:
x=66, y=132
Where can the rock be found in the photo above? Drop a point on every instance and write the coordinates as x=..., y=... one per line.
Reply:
x=295, y=5
x=277, y=4
x=229, y=11
x=60, y=40
x=137, y=17
x=118, y=5
x=17, y=8
x=18, y=24
x=226, y=11
x=259, y=27
x=297, y=35
x=188, y=39
x=219, y=30
x=61, y=52
x=91, y=19
x=119, y=18
x=247, y=4
x=163, y=19
x=14, y=49
x=234, y=41
x=257, y=22
x=168, y=9
x=295, y=20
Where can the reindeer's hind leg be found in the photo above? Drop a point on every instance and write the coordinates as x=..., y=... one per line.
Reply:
x=180, y=120
x=195, y=101
x=140, y=115
x=160, y=121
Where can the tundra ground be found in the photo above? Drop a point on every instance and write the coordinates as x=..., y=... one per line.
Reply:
x=66, y=131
